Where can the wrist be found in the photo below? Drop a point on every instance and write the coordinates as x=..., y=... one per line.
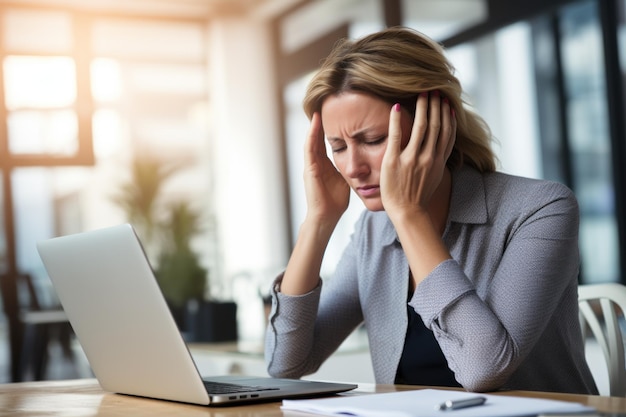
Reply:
x=413, y=216
x=321, y=226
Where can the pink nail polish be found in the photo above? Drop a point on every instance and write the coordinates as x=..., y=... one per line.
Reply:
x=396, y=107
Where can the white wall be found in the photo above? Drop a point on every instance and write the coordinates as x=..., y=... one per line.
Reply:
x=249, y=198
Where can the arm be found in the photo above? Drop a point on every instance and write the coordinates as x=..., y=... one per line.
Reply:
x=304, y=330
x=486, y=338
x=297, y=341
x=415, y=184
x=327, y=199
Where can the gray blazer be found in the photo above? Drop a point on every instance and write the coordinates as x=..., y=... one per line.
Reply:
x=504, y=310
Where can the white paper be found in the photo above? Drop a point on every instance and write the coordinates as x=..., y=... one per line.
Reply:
x=423, y=403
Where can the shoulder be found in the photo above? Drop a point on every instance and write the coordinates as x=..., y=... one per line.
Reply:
x=517, y=184
x=539, y=207
x=469, y=184
x=521, y=193
x=496, y=196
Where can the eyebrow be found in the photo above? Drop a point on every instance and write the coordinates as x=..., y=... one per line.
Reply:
x=359, y=134
x=334, y=140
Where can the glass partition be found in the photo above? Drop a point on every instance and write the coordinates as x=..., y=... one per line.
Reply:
x=590, y=145
x=544, y=98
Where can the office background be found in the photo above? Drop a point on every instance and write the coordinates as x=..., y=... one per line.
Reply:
x=87, y=88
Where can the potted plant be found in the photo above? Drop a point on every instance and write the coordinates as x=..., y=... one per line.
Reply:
x=178, y=270
x=168, y=230
x=204, y=320
x=139, y=198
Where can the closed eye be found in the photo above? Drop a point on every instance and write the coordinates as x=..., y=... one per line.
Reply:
x=376, y=141
x=337, y=145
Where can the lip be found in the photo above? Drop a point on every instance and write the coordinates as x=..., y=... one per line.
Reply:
x=368, y=191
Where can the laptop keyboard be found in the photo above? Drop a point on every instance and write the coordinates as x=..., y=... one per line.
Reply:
x=225, y=388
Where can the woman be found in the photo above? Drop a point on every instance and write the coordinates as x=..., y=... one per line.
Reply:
x=463, y=276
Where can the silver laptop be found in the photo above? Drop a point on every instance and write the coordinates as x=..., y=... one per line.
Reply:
x=115, y=306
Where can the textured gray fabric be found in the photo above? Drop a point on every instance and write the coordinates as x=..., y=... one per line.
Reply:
x=504, y=310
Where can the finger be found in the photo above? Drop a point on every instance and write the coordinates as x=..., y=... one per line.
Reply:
x=314, y=143
x=452, y=134
x=420, y=124
x=446, y=127
x=394, y=136
x=434, y=123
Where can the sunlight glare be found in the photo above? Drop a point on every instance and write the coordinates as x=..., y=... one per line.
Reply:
x=106, y=80
x=39, y=82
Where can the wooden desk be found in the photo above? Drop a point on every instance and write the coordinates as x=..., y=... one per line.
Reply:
x=84, y=397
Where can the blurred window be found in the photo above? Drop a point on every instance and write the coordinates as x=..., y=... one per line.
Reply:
x=83, y=95
x=40, y=97
x=31, y=30
x=442, y=18
x=589, y=142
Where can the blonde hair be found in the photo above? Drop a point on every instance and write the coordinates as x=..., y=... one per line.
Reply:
x=395, y=65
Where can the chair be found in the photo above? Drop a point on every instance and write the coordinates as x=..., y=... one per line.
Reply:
x=601, y=306
x=43, y=322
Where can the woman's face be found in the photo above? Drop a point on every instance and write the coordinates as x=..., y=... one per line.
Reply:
x=356, y=126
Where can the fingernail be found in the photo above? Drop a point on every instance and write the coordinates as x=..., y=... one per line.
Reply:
x=435, y=93
x=396, y=107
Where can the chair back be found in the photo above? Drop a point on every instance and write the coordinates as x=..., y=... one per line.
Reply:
x=602, y=306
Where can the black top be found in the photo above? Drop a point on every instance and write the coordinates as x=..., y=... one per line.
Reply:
x=422, y=361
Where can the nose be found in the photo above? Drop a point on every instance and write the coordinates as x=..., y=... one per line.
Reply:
x=356, y=163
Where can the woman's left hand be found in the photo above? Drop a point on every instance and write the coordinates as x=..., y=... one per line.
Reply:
x=411, y=173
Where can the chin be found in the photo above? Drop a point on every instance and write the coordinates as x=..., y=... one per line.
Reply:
x=373, y=205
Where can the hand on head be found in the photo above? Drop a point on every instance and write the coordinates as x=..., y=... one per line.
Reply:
x=327, y=192
x=403, y=172
x=413, y=167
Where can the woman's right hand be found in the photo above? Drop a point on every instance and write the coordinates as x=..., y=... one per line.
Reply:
x=327, y=193
x=327, y=196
